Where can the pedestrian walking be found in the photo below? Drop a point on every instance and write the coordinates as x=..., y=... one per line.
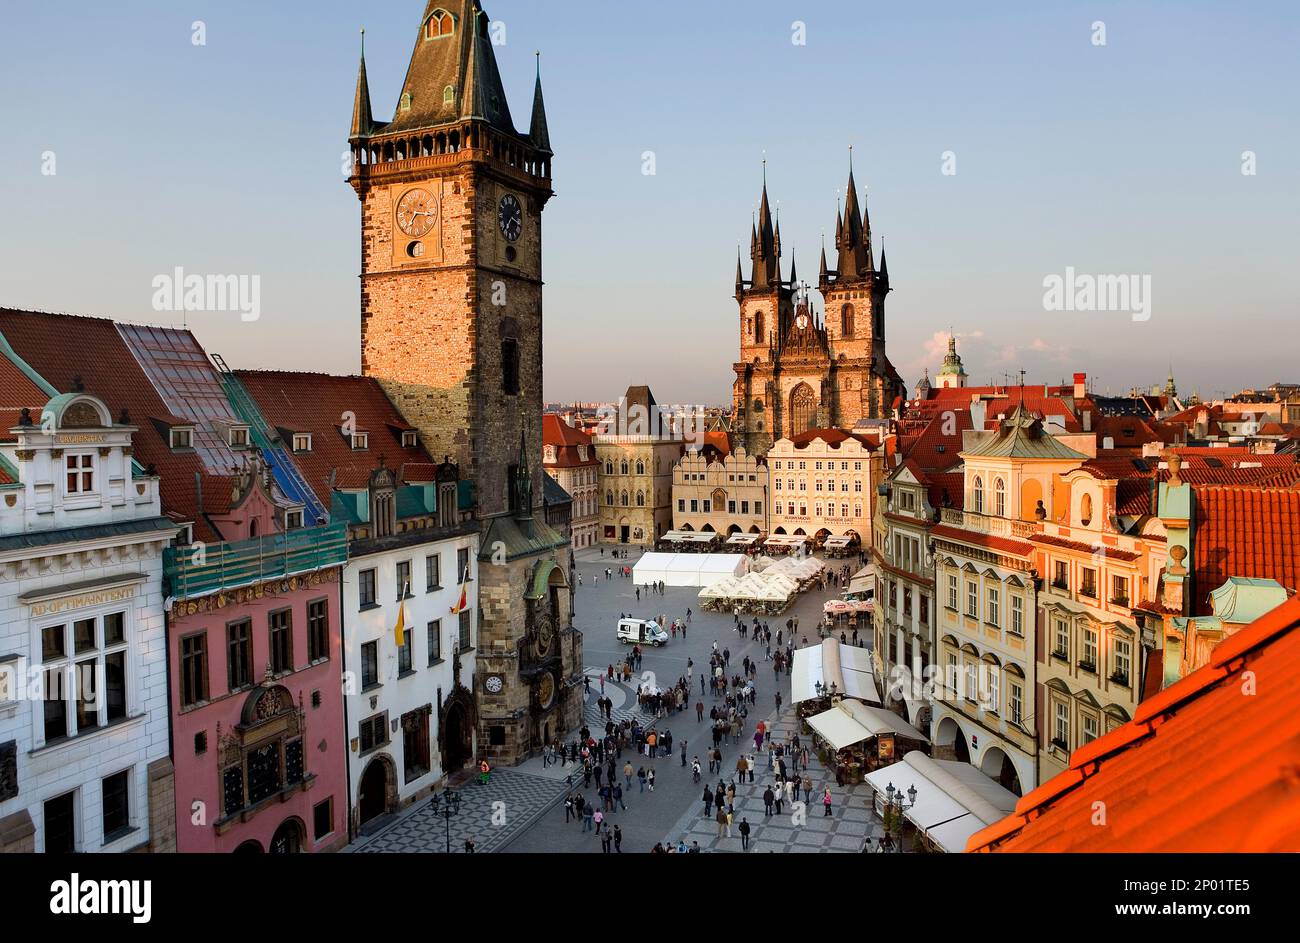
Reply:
x=826, y=800
x=744, y=834
x=650, y=780
x=640, y=775
x=768, y=798
x=721, y=819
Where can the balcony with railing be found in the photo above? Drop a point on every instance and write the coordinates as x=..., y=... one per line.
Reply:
x=989, y=524
x=199, y=570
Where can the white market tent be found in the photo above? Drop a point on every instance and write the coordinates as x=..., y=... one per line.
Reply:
x=837, y=543
x=846, y=666
x=954, y=800
x=690, y=536
x=863, y=582
x=688, y=569
x=723, y=589
x=851, y=722
x=744, y=540
x=785, y=541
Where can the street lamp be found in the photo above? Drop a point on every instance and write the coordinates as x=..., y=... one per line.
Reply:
x=447, y=805
x=895, y=806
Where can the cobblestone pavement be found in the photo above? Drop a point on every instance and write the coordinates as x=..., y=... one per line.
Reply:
x=851, y=820
x=513, y=799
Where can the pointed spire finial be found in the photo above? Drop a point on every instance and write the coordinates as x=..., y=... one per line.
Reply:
x=363, y=42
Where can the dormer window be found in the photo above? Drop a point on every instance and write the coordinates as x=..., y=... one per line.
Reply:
x=449, y=95
x=410, y=440
x=185, y=536
x=406, y=101
x=302, y=441
x=293, y=519
x=81, y=473
x=182, y=437
x=238, y=437
x=440, y=23
x=360, y=441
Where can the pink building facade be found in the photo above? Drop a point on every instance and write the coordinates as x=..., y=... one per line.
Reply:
x=254, y=648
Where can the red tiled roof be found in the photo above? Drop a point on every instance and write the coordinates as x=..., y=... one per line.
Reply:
x=1053, y=541
x=566, y=440
x=1200, y=768
x=315, y=403
x=1001, y=544
x=18, y=392
x=62, y=347
x=1250, y=532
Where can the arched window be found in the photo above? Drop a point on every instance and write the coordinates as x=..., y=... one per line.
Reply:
x=760, y=328
x=449, y=95
x=439, y=23
x=623, y=466
x=640, y=499
x=977, y=495
x=1085, y=510
x=609, y=470
x=803, y=409
x=846, y=321
x=1000, y=498
x=609, y=498
x=640, y=467
x=622, y=498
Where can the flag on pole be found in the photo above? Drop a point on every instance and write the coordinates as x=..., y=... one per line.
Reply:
x=399, y=631
x=463, y=604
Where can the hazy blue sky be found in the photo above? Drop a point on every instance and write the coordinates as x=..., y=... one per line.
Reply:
x=1125, y=158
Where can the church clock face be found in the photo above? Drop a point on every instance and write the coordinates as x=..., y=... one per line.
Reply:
x=510, y=217
x=417, y=211
x=545, y=635
x=494, y=684
x=802, y=321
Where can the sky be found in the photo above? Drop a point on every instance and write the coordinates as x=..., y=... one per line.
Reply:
x=1122, y=158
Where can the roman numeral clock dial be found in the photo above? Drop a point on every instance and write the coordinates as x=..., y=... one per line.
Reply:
x=510, y=217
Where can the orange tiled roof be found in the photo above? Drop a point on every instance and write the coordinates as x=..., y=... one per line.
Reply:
x=1250, y=532
x=1126, y=555
x=1018, y=548
x=315, y=403
x=1200, y=768
x=566, y=439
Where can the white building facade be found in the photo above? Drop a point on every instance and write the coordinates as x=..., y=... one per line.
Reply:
x=84, y=742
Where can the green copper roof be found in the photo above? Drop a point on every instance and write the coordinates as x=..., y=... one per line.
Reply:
x=1241, y=599
x=1021, y=436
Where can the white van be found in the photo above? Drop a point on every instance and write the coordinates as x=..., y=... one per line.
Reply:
x=641, y=632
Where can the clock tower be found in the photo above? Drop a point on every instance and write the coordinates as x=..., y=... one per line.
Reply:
x=451, y=326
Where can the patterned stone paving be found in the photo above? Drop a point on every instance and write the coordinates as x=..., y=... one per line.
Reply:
x=845, y=830
x=523, y=796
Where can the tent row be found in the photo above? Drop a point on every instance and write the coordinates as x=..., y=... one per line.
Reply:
x=689, y=569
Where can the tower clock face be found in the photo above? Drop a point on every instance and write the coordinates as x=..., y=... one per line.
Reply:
x=417, y=211
x=494, y=684
x=801, y=321
x=510, y=217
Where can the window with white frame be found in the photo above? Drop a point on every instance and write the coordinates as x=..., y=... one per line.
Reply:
x=293, y=519
x=1017, y=614
x=78, y=658
x=1062, y=648
x=360, y=441
x=992, y=694
x=952, y=591
x=1123, y=660
x=1061, y=724
x=1089, y=658
x=182, y=437
x=302, y=441
x=1089, y=731
x=238, y=437
x=80, y=473
x=950, y=673
x=972, y=599
x=1015, y=701
x=991, y=614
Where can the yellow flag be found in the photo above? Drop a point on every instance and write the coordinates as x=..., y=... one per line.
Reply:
x=399, y=632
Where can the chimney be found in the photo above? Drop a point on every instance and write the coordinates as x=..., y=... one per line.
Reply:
x=1087, y=419
x=1080, y=385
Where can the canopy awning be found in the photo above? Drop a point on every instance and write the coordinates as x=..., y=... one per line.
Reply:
x=690, y=536
x=744, y=540
x=863, y=582
x=837, y=543
x=954, y=800
x=785, y=540
x=846, y=667
x=838, y=729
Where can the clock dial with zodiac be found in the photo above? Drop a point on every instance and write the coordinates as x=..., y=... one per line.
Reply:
x=545, y=635
x=545, y=691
